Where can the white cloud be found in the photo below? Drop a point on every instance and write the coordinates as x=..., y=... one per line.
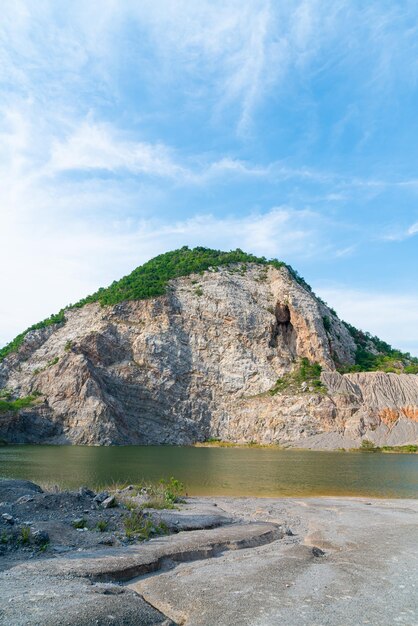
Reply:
x=61, y=262
x=95, y=146
x=391, y=316
x=413, y=229
x=398, y=233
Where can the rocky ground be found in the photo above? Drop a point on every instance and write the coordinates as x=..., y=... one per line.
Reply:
x=40, y=524
x=223, y=561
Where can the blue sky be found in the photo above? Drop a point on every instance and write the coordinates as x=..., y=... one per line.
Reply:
x=288, y=129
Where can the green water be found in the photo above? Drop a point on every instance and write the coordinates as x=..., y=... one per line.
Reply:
x=219, y=471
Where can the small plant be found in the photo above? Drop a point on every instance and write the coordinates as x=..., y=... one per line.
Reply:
x=368, y=445
x=53, y=361
x=199, y=291
x=68, y=346
x=25, y=535
x=139, y=526
x=306, y=378
x=172, y=490
x=130, y=505
x=79, y=523
x=102, y=525
x=4, y=538
x=157, y=503
x=327, y=323
x=16, y=405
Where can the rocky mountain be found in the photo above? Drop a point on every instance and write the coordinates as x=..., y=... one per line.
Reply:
x=200, y=344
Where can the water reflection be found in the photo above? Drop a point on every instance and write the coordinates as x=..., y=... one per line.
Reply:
x=219, y=471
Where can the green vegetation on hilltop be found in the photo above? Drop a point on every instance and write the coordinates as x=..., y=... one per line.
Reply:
x=375, y=355
x=151, y=280
x=14, y=345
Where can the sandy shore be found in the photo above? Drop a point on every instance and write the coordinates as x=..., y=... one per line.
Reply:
x=246, y=561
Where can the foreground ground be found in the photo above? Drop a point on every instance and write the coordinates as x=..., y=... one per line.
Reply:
x=227, y=561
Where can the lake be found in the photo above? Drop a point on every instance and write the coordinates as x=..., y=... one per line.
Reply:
x=219, y=471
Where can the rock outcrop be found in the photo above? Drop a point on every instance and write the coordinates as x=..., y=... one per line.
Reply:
x=198, y=362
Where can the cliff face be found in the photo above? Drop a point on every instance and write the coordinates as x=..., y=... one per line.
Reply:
x=198, y=362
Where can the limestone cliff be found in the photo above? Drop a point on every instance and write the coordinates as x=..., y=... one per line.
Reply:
x=199, y=362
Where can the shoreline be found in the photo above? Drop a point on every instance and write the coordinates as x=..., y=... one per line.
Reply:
x=403, y=449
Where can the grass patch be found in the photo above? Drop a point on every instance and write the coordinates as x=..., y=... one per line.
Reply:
x=369, y=446
x=408, y=449
x=307, y=377
x=102, y=525
x=16, y=405
x=139, y=526
x=79, y=523
x=157, y=503
x=218, y=443
x=25, y=536
x=162, y=495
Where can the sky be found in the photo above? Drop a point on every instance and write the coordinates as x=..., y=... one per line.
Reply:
x=286, y=128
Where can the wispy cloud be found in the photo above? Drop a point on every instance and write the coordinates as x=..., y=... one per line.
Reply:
x=413, y=229
x=99, y=147
x=399, y=233
x=127, y=128
x=90, y=253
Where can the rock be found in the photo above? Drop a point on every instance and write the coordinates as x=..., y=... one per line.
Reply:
x=12, y=489
x=40, y=537
x=108, y=541
x=136, y=374
x=24, y=500
x=109, y=503
x=101, y=497
x=9, y=519
x=78, y=523
x=289, y=532
x=85, y=491
x=317, y=552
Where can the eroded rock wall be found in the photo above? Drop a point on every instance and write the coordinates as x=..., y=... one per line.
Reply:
x=198, y=362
